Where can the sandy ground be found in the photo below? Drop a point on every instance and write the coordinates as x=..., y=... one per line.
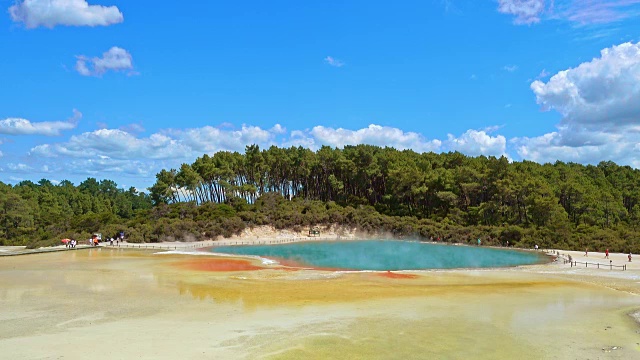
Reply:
x=255, y=235
x=617, y=259
x=108, y=303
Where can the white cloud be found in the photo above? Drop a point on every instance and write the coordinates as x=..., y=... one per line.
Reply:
x=19, y=126
x=116, y=144
x=525, y=11
x=187, y=144
x=115, y=59
x=373, y=135
x=596, y=12
x=543, y=74
x=301, y=138
x=209, y=139
x=333, y=61
x=581, y=12
x=604, y=91
x=114, y=152
x=600, y=105
x=510, y=68
x=19, y=167
x=278, y=129
x=49, y=13
x=584, y=147
x=478, y=142
x=132, y=128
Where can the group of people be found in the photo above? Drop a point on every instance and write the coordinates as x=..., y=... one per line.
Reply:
x=606, y=254
x=96, y=239
x=116, y=239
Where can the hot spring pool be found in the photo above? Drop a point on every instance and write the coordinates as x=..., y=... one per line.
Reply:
x=386, y=255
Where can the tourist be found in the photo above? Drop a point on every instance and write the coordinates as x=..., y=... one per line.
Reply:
x=586, y=251
x=479, y=241
x=111, y=241
x=536, y=247
x=606, y=254
x=629, y=256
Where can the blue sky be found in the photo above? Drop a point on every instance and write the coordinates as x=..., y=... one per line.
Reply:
x=121, y=89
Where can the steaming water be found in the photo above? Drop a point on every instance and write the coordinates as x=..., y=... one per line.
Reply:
x=386, y=255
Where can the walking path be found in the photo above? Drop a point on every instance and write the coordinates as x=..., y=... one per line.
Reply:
x=22, y=250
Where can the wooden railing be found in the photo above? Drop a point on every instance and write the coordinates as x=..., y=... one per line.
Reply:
x=586, y=264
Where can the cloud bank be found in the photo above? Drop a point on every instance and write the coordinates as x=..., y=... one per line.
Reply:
x=599, y=102
x=110, y=151
x=50, y=13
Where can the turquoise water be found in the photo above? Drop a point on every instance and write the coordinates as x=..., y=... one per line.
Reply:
x=386, y=255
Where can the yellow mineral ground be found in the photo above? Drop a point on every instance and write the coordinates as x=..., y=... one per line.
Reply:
x=115, y=304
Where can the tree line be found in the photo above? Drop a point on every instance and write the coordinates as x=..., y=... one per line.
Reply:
x=44, y=213
x=567, y=203
x=466, y=190
x=449, y=196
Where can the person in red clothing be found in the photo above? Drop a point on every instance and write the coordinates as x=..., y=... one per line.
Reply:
x=606, y=254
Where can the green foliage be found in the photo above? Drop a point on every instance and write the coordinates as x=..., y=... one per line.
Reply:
x=365, y=186
x=41, y=214
x=403, y=193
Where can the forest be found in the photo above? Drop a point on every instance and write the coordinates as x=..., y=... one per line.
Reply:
x=378, y=190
